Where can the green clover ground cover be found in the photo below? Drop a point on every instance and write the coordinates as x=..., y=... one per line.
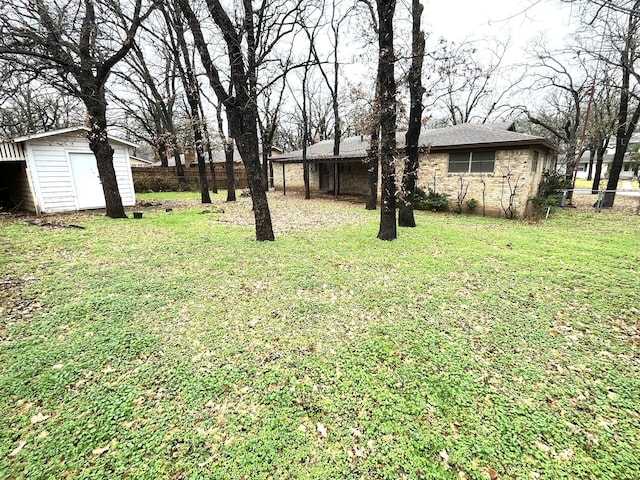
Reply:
x=177, y=347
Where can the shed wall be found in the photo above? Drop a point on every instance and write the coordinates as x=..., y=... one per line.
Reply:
x=48, y=159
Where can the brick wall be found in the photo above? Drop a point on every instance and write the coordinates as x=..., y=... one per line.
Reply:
x=510, y=165
x=294, y=178
x=353, y=178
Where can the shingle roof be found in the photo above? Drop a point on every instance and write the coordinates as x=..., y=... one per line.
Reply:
x=469, y=134
x=63, y=131
x=462, y=136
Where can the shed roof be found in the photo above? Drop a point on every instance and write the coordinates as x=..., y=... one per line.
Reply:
x=63, y=131
x=457, y=137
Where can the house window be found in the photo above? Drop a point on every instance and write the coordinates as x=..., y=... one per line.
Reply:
x=534, y=161
x=472, y=162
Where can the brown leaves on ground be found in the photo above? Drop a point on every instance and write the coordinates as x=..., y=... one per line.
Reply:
x=293, y=212
x=14, y=307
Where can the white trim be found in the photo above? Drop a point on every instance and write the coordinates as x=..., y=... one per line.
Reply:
x=33, y=176
x=129, y=176
x=67, y=154
x=62, y=131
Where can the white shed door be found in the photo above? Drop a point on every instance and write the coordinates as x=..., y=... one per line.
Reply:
x=86, y=180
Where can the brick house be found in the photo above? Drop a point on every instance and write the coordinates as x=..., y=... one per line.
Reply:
x=496, y=166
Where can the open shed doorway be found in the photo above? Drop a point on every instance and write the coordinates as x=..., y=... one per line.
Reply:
x=15, y=193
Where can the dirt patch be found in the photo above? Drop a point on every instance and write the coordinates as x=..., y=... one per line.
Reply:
x=293, y=212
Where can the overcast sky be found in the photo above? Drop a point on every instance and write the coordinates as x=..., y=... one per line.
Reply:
x=520, y=20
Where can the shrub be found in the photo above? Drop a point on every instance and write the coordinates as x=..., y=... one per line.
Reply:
x=552, y=183
x=141, y=185
x=549, y=192
x=156, y=184
x=471, y=204
x=432, y=201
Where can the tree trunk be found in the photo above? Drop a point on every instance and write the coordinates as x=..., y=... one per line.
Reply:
x=228, y=166
x=241, y=108
x=96, y=104
x=265, y=163
x=592, y=156
x=626, y=125
x=197, y=138
x=244, y=129
x=386, y=79
x=212, y=167
x=595, y=187
x=305, y=135
x=179, y=167
x=161, y=151
x=412, y=137
x=202, y=170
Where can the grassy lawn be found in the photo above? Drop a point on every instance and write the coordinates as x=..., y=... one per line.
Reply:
x=175, y=346
x=582, y=183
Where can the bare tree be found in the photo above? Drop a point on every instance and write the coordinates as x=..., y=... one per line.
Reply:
x=601, y=128
x=416, y=90
x=624, y=36
x=77, y=53
x=272, y=99
x=149, y=104
x=373, y=130
x=189, y=79
x=335, y=24
x=464, y=88
x=229, y=148
x=28, y=106
x=568, y=84
x=240, y=99
x=616, y=24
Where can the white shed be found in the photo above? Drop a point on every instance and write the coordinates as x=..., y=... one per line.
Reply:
x=56, y=172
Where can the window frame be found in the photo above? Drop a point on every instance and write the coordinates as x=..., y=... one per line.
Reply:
x=470, y=162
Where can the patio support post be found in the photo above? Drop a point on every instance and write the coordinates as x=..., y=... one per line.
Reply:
x=284, y=181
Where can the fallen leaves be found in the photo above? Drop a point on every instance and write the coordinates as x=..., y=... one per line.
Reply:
x=322, y=430
x=102, y=450
x=39, y=418
x=489, y=473
x=99, y=451
x=16, y=450
x=444, y=456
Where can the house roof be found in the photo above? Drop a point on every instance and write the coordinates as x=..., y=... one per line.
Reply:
x=63, y=131
x=457, y=137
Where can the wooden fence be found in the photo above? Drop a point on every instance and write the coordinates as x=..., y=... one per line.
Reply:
x=191, y=175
